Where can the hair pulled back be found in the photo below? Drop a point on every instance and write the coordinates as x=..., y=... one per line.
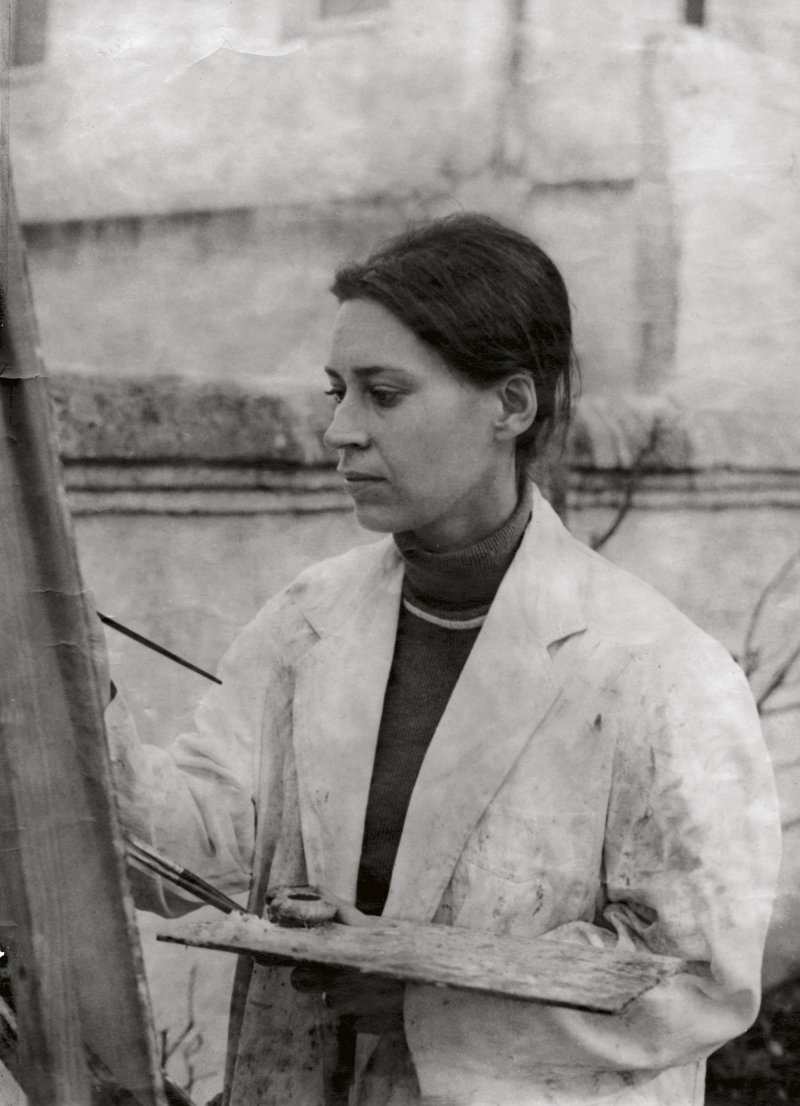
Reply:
x=486, y=298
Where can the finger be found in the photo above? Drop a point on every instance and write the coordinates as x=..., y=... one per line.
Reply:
x=349, y=916
x=99, y=651
x=346, y=913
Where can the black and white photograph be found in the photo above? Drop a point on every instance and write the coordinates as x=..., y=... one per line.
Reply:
x=400, y=553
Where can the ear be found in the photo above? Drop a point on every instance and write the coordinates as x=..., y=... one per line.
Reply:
x=517, y=396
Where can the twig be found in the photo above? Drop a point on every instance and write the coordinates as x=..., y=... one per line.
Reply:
x=106, y=1089
x=631, y=484
x=193, y=1046
x=782, y=710
x=750, y=658
x=9, y=1054
x=779, y=676
x=192, y=1040
x=170, y=1051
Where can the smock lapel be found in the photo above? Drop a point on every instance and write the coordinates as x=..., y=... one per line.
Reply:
x=505, y=690
x=340, y=686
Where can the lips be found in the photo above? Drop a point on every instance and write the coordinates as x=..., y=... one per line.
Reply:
x=362, y=486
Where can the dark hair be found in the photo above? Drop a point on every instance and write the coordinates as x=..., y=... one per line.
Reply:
x=486, y=298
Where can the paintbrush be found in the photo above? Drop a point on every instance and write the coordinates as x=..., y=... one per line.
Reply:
x=142, y=640
x=147, y=859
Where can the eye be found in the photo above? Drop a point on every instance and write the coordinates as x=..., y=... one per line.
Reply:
x=336, y=393
x=384, y=397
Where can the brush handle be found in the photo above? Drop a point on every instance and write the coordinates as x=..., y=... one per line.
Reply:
x=147, y=859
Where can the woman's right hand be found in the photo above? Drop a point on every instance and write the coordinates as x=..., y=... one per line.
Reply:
x=99, y=651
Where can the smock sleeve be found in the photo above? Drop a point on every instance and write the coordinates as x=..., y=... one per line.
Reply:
x=690, y=859
x=196, y=799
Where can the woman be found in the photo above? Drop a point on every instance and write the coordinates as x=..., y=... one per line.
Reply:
x=476, y=721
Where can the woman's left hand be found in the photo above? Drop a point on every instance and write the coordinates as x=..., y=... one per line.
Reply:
x=375, y=1005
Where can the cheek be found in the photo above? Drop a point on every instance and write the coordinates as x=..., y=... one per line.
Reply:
x=432, y=464
x=457, y=457
x=447, y=438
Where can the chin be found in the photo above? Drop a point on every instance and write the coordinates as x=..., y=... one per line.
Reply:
x=381, y=520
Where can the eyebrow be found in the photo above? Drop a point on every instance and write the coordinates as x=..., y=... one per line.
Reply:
x=369, y=370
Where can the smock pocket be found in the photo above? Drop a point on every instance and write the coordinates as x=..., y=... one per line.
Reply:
x=525, y=873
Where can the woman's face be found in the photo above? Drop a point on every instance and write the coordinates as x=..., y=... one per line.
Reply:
x=417, y=442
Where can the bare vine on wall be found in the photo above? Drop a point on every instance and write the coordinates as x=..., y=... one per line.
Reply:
x=782, y=676
x=761, y=1066
x=773, y=675
x=188, y=1043
x=632, y=481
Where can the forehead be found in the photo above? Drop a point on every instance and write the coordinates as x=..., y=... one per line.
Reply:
x=366, y=335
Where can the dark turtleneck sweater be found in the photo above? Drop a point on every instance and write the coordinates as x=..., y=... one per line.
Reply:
x=446, y=597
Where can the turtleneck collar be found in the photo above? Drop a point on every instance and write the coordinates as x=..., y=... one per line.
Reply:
x=466, y=577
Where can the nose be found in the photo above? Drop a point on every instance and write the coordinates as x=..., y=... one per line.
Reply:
x=346, y=428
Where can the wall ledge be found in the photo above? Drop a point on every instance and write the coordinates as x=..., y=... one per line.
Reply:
x=163, y=419
x=173, y=446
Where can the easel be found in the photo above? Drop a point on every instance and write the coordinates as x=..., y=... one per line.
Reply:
x=65, y=913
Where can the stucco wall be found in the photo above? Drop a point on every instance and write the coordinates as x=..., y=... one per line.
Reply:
x=771, y=26
x=185, y=211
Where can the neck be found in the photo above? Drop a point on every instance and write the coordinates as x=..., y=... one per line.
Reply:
x=472, y=573
x=470, y=522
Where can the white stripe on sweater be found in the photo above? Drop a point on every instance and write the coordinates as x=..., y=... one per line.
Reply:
x=445, y=623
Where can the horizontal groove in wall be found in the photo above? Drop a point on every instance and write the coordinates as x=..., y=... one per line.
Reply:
x=242, y=490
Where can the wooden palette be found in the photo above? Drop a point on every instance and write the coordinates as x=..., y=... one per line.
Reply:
x=540, y=970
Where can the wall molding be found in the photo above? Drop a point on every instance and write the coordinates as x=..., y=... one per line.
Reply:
x=171, y=446
x=242, y=490
x=695, y=491
x=163, y=489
